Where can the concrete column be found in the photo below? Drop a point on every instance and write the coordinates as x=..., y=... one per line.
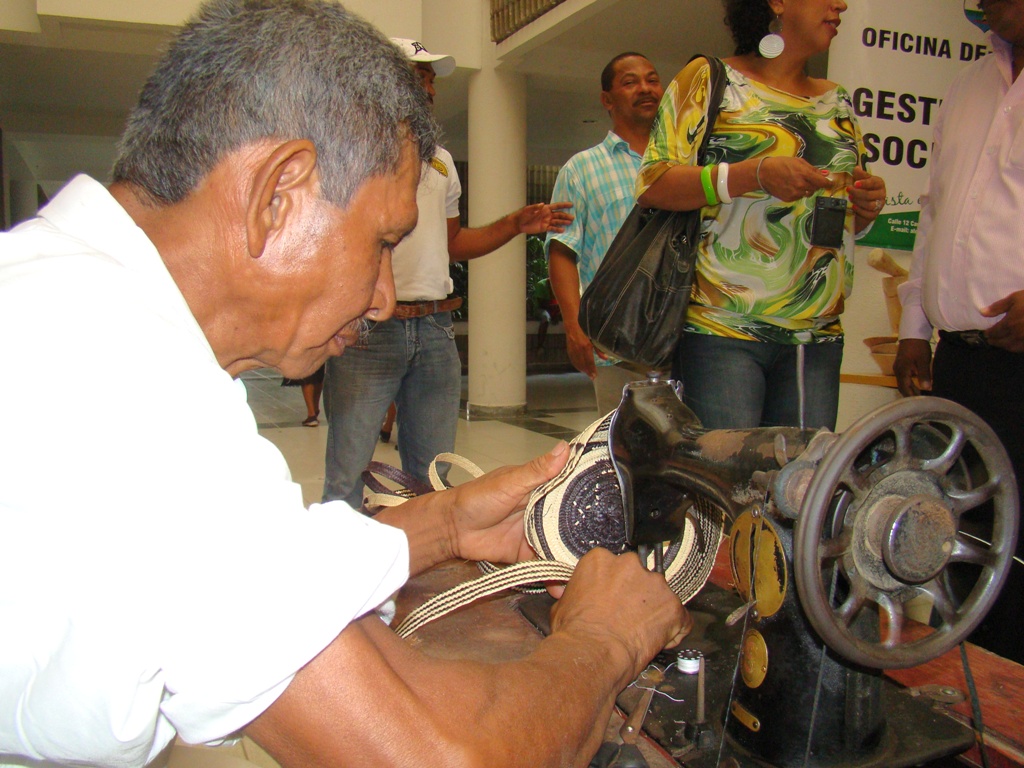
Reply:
x=497, y=282
x=19, y=16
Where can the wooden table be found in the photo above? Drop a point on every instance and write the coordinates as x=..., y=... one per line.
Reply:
x=492, y=630
x=868, y=379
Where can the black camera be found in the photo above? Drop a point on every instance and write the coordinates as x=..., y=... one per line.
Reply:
x=828, y=222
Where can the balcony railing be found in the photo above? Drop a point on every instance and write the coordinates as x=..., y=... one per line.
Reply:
x=509, y=16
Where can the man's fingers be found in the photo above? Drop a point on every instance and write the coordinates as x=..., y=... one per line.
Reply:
x=544, y=467
x=525, y=477
x=996, y=308
x=913, y=361
x=581, y=354
x=684, y=631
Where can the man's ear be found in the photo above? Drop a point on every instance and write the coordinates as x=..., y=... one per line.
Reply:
x=606, y=101
x=284, y=173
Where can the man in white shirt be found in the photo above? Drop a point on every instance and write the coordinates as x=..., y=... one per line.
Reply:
x=412, y=359
x=160, y=575
x=967, y=277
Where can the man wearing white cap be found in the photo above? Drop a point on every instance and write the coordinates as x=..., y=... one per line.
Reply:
x=411, y=359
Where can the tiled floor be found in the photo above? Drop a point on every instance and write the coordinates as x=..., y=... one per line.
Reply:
x=558, y=407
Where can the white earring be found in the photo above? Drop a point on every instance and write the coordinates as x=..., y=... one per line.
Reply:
x=772, y=44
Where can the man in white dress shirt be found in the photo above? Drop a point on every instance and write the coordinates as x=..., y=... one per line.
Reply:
x=160, y=575
x=967, y=277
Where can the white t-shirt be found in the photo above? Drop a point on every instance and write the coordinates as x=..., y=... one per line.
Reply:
x=420, y=262
x=160, y=573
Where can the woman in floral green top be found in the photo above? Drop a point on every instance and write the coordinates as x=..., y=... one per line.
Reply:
x=766, y=300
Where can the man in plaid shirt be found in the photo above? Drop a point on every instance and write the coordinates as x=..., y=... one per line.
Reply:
x=599, y=182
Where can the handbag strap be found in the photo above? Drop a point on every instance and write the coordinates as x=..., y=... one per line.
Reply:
x=716, y=89
x=408, y=485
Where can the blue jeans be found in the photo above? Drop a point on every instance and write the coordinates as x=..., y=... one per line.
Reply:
x=412, y=362
x=740, y=384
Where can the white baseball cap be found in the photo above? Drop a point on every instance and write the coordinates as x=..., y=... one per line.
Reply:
x=414, y=51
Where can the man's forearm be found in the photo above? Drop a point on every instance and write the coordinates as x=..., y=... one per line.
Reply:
x=445, y=713
x=565, y=281
x=426, y=525
x=471, y=242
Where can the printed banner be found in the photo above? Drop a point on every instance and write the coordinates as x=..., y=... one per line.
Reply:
x=897, y=58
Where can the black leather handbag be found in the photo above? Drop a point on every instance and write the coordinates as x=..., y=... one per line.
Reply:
x=635, y=307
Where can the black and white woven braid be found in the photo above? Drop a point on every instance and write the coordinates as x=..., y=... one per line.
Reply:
x=566, y=517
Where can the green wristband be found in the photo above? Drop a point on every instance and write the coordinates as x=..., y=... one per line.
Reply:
x=709, y=188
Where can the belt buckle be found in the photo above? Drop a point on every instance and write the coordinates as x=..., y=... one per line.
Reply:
x=974, y=338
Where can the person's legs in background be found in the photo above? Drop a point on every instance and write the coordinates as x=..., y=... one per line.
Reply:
x=312, y=388
x=389, y=423
x=723, y=379
x=428, y=399
x=608, y=386
x=821, y=365
x=740, y=384
x=987, y=380
x=358, y=388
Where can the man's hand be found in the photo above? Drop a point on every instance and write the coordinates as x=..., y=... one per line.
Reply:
x=623, y=607
x=388, y=703
x=485, y=516
x=1008, y=333
x=543, y=217
x=580, y=349
x=913, y=361
x=565, y=282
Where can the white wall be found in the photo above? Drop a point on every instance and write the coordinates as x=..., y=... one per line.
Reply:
x=865, y=316
x=395, y=18
x=166, y=12
x=402, y=18
x=456, y=27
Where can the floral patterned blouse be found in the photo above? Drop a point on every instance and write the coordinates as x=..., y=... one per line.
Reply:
x=758, y=276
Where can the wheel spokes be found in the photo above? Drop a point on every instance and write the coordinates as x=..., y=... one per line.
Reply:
x=858, y=482
x=943, y=602
x=894, y=623
x=879, y=464
x=833, y=549
x=966, y=500
x=944, y=462
x=967, y=550
x=848, y=611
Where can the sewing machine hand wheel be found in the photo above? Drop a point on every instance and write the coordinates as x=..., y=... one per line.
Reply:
x=883, y=520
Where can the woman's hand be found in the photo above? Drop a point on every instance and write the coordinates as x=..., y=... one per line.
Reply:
x=791, y=178
x=867, y=196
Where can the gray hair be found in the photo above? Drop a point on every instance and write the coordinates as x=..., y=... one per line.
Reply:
x=245, y=70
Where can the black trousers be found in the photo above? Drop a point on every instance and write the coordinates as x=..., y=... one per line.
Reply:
x=990, y=382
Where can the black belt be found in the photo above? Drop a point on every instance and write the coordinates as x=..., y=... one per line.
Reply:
x=973, y=339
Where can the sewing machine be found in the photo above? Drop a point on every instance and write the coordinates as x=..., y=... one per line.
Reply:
x=831, y=538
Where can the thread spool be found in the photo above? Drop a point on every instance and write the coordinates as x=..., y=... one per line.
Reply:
x=688, y=661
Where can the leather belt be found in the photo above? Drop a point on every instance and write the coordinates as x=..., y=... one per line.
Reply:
x=974, y=339
x=405, y=310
